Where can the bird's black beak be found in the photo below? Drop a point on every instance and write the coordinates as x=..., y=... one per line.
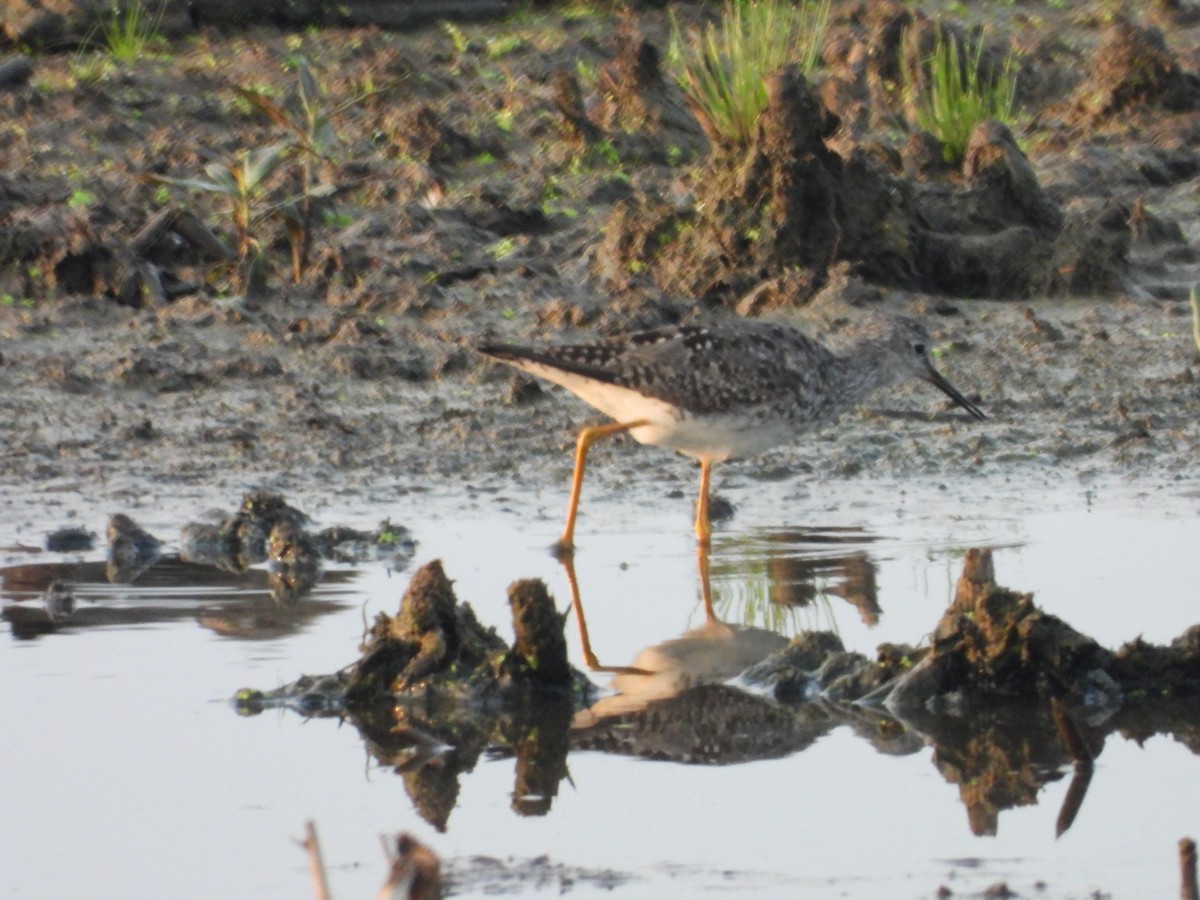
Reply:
x=934, y=377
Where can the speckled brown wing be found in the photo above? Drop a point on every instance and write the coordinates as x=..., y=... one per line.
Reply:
x=700, y=369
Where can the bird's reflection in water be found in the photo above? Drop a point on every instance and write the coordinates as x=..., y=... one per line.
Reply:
x=713, y=653
x=762, y=579
x=673, y=701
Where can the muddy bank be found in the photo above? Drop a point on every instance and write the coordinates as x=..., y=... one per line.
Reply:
x=476, y=193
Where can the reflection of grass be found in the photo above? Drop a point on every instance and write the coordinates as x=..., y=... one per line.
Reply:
x=742, y=596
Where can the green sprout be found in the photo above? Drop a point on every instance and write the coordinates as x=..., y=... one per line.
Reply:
x=313, y=139
x=1194, y=299
x=242, y=182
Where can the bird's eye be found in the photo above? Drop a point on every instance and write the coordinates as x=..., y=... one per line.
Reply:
x=920, y=349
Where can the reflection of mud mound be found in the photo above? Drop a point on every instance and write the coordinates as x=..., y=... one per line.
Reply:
x=999, y=759
x=433, y=689
x=1006, y=696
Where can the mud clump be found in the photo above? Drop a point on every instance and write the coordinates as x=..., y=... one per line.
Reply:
x=1133, y=68
x=995, y=643
x=267, y=527
x=435, y=645
x=433, y=689
x=540, y=646
x=295, y=561
x=429, y=634
x=242, y=539
x=131, y=549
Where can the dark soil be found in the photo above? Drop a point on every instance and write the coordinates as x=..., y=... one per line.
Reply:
x=541, y=176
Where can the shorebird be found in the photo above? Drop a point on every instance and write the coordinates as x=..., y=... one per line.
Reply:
x=717, y=392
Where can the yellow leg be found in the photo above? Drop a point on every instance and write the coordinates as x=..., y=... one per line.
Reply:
x=587, y=437
x=710, y=614
x=703, y=526
x=568, y=563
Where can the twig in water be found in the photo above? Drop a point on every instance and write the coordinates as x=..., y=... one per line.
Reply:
x=416, y=872
x=316, y=867
x=1187, y=870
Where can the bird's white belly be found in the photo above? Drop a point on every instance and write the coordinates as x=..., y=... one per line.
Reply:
x=715, y=437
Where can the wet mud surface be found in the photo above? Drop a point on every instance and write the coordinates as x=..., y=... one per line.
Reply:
x=359, y=376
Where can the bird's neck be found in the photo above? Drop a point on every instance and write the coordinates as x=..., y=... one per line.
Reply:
x=857, y=373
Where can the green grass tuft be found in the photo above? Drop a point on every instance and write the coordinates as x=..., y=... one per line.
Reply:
x=130, y=31
x=723, y=71
x=956, y=94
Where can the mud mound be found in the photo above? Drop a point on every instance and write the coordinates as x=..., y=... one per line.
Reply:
x=1132, y=69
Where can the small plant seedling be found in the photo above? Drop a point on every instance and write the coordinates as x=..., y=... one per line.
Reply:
x=242, y=181
x=503, y=248
x=503, y=45
x=504, y=120
x=313, y=139
x=605, y=151
x=1194, y=299
x=457, y=38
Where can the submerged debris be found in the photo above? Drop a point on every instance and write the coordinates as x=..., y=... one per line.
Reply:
x=267, y=526
x=234, y=599
x=131, y=549
x=416, y=872
x=240, y=540
x=295, y=562
x=74, y=539
x=58, y=602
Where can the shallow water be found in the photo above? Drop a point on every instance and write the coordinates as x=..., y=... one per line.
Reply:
x=129, y=773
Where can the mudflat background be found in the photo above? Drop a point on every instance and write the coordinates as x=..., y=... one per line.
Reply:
x=460, y=201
